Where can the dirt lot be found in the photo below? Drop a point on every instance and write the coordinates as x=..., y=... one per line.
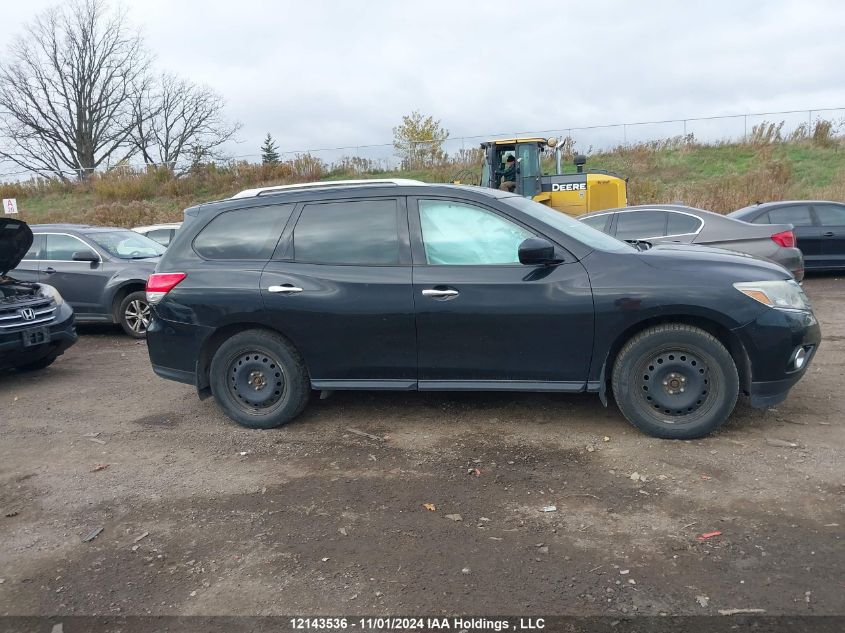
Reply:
x=200, y=516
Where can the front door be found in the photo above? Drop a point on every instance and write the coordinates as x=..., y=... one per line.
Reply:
x=340, y=288
x=81, y=284
x=485, y=321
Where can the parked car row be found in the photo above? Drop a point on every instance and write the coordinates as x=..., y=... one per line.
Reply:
x=395, y=284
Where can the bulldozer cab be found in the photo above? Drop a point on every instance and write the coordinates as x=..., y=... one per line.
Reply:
x=526, y=152
x=571, y=193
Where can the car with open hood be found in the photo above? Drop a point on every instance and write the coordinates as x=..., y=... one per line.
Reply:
x=36, y=324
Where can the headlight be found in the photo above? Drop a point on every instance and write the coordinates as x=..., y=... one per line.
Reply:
x=49, y=291
x=784, y=295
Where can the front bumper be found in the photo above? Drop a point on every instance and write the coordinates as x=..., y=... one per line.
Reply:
x=771, y=342
x=13, y=352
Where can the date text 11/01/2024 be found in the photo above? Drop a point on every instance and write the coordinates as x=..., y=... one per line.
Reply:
x=420, y=624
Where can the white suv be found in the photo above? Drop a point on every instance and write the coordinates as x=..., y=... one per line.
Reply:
x=161, y=233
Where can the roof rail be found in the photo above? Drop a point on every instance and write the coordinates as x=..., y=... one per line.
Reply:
x=251, y=193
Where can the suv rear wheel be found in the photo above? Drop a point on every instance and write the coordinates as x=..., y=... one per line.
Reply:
x=675, y=381
x=259, y=379
x=134, y=315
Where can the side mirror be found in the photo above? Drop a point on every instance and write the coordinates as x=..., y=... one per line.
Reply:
x=537, y=250
x=85, y=256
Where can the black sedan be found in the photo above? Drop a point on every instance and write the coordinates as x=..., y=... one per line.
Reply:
x=819, y=227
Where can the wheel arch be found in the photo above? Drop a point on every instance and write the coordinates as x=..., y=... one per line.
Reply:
x=723, y=334
x=213, y=342
x=120, y=293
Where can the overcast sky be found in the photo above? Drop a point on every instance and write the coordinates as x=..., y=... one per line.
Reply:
x=328, y=73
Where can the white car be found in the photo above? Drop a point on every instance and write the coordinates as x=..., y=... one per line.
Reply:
x=161, y=233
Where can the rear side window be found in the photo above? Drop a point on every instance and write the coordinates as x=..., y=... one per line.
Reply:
x=599, y=222
x=637, y=225
x=363, y=233
x=243, y=233
x=162, y=236
x=796, y=215
x=830, y=214
x=34, y=251
x=682, y=224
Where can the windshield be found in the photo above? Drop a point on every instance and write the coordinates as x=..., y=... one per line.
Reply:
x=563, y=223
x=126, y=244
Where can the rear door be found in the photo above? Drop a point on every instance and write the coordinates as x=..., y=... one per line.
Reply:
x=831, y=217
x=485, y=321
x=807, y=233
x=81, y=284
x=339, y=286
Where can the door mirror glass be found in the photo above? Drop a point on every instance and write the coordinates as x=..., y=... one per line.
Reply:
x=85, y=256
x=536, y=250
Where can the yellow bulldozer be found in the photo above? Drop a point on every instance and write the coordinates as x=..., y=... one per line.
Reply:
x=571, y=193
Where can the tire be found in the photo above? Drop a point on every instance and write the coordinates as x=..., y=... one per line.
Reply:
x=134, y=314
x=41, y=363
x=242, y=376
x=675, y=382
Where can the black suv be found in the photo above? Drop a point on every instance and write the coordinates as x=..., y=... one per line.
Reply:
x=400, y=285
x=36, y=325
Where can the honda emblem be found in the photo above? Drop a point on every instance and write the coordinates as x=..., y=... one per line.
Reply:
x=28, y=314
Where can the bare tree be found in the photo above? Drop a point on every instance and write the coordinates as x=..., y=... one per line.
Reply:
x=179, y=122
x=68, y=88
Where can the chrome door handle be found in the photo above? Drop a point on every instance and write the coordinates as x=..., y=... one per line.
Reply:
x=431, y=292
x=829, y=234
x=49, y=270
x=288, y=289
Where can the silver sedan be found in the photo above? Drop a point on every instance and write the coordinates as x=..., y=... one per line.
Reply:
x=678, y=224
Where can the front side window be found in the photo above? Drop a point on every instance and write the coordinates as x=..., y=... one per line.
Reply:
x=62, y=247
x=639, y=225
x=243, y=233
x=461, y=234
x=362, y=233
x=795, y=215
x=830, y=214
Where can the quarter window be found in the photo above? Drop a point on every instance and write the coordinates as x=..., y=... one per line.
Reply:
x=162, y=236
x=461, y=234
x=795, y=215
x=244, y=233
x=682, y=224
x=364, y=233
x=62, y=247
x=830, y=215
x=638, y=225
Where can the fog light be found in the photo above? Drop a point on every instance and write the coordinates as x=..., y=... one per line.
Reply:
x=800, y=358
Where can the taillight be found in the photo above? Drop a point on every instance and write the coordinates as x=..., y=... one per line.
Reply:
x=159, y=284
x=785, y=239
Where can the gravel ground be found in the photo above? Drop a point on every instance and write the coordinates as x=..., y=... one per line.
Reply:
x=200, y=516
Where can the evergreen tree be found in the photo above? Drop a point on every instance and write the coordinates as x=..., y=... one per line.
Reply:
x=269, y=151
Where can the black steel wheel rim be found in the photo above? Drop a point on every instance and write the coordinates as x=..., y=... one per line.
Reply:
x=255, y=380
x=675, y=383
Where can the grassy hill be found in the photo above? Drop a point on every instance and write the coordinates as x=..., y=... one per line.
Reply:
x=720, y=177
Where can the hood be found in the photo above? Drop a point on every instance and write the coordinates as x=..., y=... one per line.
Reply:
x=693, y=258
x=15, y=240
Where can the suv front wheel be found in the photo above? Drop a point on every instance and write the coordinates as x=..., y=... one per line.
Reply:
x=675, y=381
x=259, y=379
